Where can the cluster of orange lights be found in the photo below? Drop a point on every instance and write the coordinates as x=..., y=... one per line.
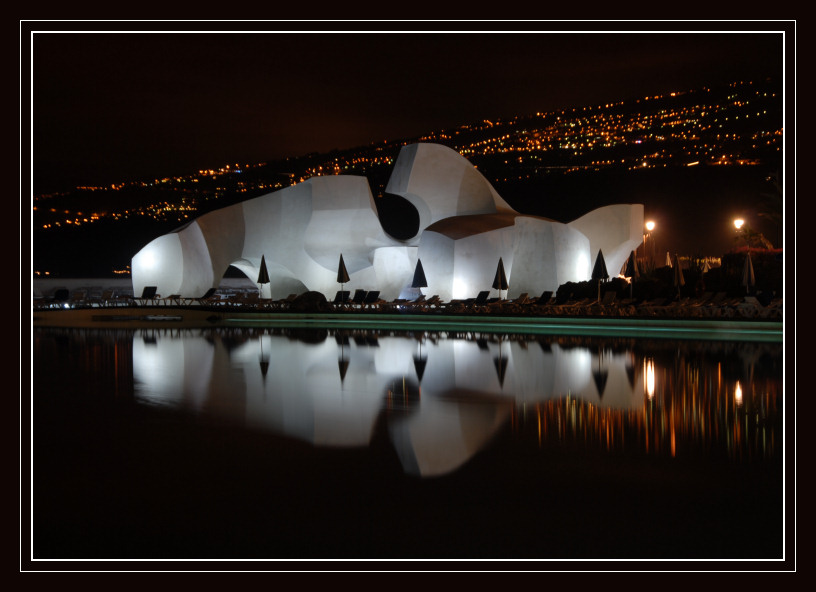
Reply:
x=576, y=130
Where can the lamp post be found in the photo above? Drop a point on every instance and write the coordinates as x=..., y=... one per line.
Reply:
x=738, y=224
x=650, y=226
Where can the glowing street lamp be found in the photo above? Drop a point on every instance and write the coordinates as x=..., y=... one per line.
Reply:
x=738, y=224
x=650, y=226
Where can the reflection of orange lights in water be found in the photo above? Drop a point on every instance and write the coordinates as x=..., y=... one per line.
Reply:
x=650, y=378
x=673, y=442
x=691, y=415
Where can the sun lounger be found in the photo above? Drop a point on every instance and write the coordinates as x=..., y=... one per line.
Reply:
x=514, y=306
x=393, y=305
x=173, y=299
x=107, y=297
x=341, y=297
x=522, y=298
x=251, y=300
x=148, y=296
x=416, y=303
x=544, y=299
x=433, y=302
x=96, y=300
x=480, y=300
x=208, y=298
x=372, y=299
x=358, y=298
x=476, y=304
x=457, y=305
x=424, y=303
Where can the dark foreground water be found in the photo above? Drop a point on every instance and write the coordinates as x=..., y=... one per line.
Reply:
x=289, y=444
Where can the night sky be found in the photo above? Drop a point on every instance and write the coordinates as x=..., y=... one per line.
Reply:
x=123, y=106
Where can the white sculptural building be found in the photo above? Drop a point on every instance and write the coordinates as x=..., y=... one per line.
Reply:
x=465, y=227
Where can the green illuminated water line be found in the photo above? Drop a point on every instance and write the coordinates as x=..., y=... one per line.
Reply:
x=669, y=328
x=625, y=327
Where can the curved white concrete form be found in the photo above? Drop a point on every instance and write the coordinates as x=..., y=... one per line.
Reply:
x=616, y=230
x=441, y=184
x=460, y=255
x=465, y=227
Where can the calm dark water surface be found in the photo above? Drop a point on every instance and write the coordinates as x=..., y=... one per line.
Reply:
x=323, y=444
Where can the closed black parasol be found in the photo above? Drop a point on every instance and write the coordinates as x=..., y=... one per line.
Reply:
x=342, y=273
x=419, y=277
x=599, y=271
x=263, y=275
x=500, y=281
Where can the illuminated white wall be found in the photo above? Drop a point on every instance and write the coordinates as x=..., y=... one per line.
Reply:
x=616, y=230
x=394, y=270
x=465, y=227
x=537, y=255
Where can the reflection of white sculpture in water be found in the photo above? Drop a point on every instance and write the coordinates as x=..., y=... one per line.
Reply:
x=464, y=228
x=302, y=394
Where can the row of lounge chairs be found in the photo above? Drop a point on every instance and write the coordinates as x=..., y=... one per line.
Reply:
x=361, y=299
x=709, y=305
x=62, y=298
